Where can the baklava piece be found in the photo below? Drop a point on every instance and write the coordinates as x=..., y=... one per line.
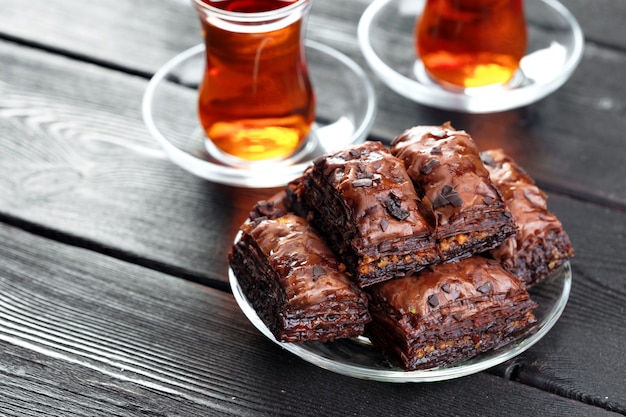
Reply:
x=540, y=245
x=448, y=313
x=445, y=167
x=363, y=202
x=294, y=282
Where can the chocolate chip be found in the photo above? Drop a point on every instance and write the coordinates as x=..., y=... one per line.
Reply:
x=440, y=201
x=485, y=288
x=393, y=206
x=436, y=150
x=433, y=300
x=318, y=271
x=363, y=174
x=446, y=288
x=487, y=200
x=355, y=153
x=319, y=160
x=363, y=182
x=448, y=196
x=455, y=199
x=384, y=223
x=429, y=166
x=266, y=209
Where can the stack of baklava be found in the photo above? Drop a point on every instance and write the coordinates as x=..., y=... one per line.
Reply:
x=427, y=248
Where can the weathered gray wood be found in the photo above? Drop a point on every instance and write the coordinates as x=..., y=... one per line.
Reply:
x=77, y=165
x=601, y=21
x=143, y=41
x=560, y=140
x=85, y=335
x=75, y=151
x=588, y=339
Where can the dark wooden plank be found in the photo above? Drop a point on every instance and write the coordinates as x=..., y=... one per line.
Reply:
x=583, y=356
x=139, y=36
x=601, y=21
x=169, y=26
x=561, y=140
x=75, y=152
x=87, y=335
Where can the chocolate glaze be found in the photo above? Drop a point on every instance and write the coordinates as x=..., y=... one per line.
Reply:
x=446, y=168
x=449, y=312
x=296, y=253
x=294, y=281
x=540, y=245
x=364, y=203
x=372, y=183
x=458, y=167
x=467, y=279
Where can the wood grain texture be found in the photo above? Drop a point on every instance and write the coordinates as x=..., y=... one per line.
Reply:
x=85, y=335
x=589, y=337
x=75, y=151
x=559, y=140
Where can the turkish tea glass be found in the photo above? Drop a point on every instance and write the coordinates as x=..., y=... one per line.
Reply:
x=256, y=101
x=471, y=43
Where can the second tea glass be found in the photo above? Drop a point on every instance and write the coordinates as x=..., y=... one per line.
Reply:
x=471, y=43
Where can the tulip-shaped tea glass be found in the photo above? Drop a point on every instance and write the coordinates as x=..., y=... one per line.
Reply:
x=471, y=43
x=256, y=101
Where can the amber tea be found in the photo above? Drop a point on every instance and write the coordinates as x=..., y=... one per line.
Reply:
x=256, y=101
x=471, y=43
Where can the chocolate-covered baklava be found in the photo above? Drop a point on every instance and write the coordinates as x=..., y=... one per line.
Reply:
x=294, y=281
x=445, y=167
x=364, y=203
x=449, y=312
x=540, y=245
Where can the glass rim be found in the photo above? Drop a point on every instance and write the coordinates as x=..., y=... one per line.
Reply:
x=204, y=6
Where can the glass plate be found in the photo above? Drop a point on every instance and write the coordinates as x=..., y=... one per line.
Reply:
x=555, y=47
x=357, y=358
x=345, y=112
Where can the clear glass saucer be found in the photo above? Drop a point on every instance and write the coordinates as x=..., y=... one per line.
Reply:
x=357, y=357
x=555, y=47
x=345, y=112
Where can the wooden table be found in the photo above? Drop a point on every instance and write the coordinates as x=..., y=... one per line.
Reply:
x=113, y=274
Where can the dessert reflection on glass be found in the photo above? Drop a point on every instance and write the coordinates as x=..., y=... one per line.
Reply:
x=256, y=100
x=427, y=231
x=471, y=43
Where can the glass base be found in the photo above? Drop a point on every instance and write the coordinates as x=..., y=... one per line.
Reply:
x=309, y=145
x=345, y=112
x=555, y=48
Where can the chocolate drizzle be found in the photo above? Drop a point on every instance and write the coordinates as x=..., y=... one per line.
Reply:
x=393, y=205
